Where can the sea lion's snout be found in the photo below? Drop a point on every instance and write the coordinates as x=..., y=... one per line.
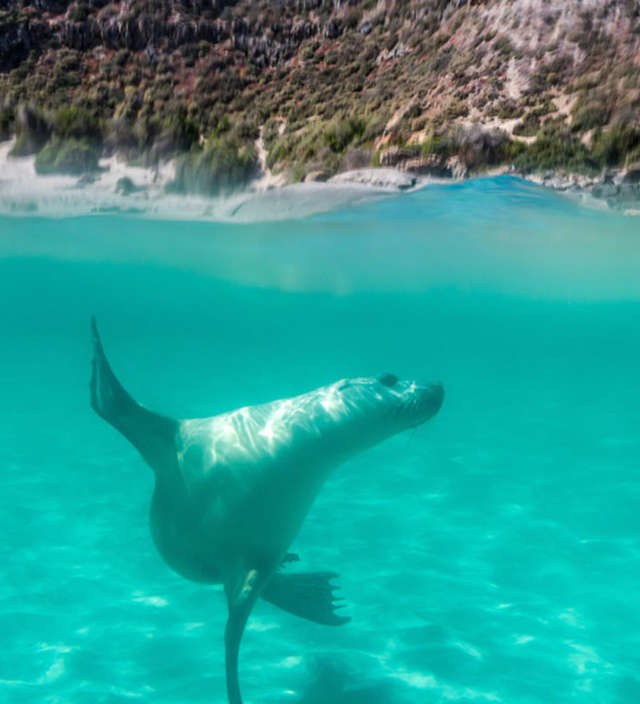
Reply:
x=413, y=403
x=421, y=401
x=433, y=398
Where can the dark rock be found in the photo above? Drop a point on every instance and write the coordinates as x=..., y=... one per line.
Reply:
x=125, y=186
x=55, y=7
x=85, y=180
x=394, y=156
x=152, y=55
x=279, y=45
x=629, y=192
x=301, y=30
x=356, y=159
x=333, y=29
x=239, y=27
x=478, y=147
x=632, y=176
x=15, y=44
x=406, y=186
x=621, y=192
x=432, y=165
x=317, y=176
x=605, y=190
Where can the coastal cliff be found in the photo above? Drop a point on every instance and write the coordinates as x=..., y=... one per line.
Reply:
x=309, y=88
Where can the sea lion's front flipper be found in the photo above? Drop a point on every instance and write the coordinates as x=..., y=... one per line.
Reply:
x=309, y=596
x=152, y=434
x=241, y=597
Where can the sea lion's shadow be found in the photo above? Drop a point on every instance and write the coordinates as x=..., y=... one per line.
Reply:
x=328, y=681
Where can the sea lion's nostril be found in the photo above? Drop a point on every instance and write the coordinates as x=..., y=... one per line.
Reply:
x=388, y=379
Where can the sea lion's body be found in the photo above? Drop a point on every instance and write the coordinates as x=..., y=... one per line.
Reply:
x=233, y=490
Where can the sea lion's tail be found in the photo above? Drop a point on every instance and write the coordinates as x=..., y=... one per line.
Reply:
x=108, y=397
x=151, y=433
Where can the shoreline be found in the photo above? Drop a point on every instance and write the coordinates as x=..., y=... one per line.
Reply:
x=122, y=189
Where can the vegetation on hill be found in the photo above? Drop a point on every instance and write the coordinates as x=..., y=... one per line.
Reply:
x=433, y=85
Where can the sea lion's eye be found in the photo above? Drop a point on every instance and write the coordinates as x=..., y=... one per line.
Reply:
x=388, y=379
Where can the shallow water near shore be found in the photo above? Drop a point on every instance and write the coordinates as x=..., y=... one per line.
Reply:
x=492, y=555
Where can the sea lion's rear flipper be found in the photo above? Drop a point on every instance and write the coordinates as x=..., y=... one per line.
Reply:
x=152, y=434
x=309, y=596
x=241, y=597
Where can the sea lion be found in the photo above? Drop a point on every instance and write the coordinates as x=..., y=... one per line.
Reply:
x=232, y=491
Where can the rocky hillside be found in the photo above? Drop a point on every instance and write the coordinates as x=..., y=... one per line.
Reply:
x=434, y=86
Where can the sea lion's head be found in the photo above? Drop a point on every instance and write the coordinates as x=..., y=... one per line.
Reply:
x=410, y=402
x=370, y=409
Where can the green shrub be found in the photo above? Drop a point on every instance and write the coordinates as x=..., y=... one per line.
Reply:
x=507, y=110
x=178, y=129
x=438, y=145
x=331, y=57
x=514, y=149
x=413, y=111
x=556, y=148
x=79, y=11
x=147, y=129
x=503, y=46
x=307, y=53
x=280, y=150
x=67, y=70
x=340, y=133
x=595, y=113
x=32, y=132
x=221, y=126
x=67, y=156
x=352, y=18
x=223, y=165
x=6, y=122
x=76, y=122
x=528, y=126
x=270, y=132
x=617, y=146
x=121, y=58
x=456, y=108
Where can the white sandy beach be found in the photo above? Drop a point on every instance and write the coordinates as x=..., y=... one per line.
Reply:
x=23, y=191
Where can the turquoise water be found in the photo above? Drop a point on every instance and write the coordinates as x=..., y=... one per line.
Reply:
x=492, y=555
